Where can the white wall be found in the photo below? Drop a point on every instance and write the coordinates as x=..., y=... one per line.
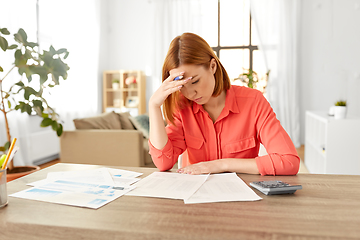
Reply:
x=330, y=56
x=130, y=34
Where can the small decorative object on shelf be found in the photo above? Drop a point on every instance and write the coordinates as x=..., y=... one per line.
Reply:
x=115, y=83
x=132, y=101
x=340, y=110
x=131, y=82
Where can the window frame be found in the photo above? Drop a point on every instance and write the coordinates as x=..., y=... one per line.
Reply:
x=250, y=46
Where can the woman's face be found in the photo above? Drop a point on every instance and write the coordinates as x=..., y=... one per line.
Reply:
x=201, y=87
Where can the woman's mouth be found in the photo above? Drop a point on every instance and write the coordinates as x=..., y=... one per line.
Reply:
x=197, y=99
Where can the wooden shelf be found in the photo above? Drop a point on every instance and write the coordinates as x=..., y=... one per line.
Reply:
x=124, y=97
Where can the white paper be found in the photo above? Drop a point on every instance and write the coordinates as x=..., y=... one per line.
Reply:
x=100, y=175
x=123, y=178
x=88, y=188
x=168, y=185
x=91, y=199
x=118, y=173
x=225, y=187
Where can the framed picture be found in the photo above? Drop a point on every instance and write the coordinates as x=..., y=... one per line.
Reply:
x=132, y=101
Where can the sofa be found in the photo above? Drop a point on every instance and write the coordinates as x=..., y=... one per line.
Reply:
x=113, y=139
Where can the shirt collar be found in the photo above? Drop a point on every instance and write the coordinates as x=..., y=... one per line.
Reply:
x=231, y=101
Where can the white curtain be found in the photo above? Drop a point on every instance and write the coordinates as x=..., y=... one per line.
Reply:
x=172, y=18
x=14, y=17
x=74, y=25
x=277, y=24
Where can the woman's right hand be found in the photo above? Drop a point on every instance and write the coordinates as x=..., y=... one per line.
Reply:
x=167, y=87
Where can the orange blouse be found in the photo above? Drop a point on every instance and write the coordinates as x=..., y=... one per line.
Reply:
x=246, y=121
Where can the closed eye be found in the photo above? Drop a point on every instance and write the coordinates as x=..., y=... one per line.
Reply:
x=195, y=81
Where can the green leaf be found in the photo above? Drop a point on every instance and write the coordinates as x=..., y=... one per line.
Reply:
x=46, y=122
x=41, y=71
x=59, y=131
x=66, y=55
x=20, y=59
x=32, y=44
x=4, y=31
x=27, y=93
x=19, y=106
x=38, y=103
x=13, y=46
x=52, y=50
x=45, y=115
x=54, y=125
x=9, y=104
x=21, y=36
x=1, y=69
x=61, y=50
x=3, y=43
x=7, y=145
x=27, y=54
x=28, y=109
x=20, y=83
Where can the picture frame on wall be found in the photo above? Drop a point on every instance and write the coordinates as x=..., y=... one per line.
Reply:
x=132, y=101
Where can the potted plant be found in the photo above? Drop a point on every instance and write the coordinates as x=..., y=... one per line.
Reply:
x=115, y=83
x=340, y=109
x=251, y=79
x=26, y=97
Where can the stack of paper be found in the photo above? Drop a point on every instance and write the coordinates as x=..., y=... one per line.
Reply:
x=95, y=188
x=90, y=188
x=224, y=187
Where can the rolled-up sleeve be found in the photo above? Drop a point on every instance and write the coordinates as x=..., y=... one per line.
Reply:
x=164, y=159
x=275, y=164
x=282, y=158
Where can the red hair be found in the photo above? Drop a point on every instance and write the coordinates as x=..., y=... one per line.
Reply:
x=190, y=48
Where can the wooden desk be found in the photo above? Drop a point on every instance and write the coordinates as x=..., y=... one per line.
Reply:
x=328, y=207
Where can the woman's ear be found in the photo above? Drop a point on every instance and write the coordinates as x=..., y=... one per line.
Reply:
x=213, y=65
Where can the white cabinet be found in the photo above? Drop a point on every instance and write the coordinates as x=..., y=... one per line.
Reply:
x=332, y=146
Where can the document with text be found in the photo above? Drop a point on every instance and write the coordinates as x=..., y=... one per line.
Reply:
x=223, y=187
x=87, y=188
x=168, y=185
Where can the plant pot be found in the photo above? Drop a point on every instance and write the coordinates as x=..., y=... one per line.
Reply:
x=20, y=171
x=115, y=85
x=340, y=112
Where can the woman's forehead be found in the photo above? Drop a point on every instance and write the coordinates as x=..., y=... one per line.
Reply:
x=191, y=69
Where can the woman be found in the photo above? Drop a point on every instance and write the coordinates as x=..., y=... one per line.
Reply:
x=220, y=126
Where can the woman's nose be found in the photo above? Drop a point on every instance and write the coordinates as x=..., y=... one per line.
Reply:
x=189, y=91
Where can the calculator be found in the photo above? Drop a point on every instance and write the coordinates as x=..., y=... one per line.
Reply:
x=275, y=187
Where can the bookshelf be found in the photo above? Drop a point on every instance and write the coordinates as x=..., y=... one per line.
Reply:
x=124, y=97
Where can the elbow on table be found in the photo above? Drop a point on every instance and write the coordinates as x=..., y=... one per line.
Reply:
x=162, y=166
x=292, y=165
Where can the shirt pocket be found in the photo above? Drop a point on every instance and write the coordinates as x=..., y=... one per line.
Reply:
x=194, y=142
x=240, y=145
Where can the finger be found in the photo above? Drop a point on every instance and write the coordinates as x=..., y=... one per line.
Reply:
x=176, y=85
x=173, y=86
x=175, y=74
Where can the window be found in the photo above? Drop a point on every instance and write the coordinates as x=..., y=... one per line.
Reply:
x=231, y=35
